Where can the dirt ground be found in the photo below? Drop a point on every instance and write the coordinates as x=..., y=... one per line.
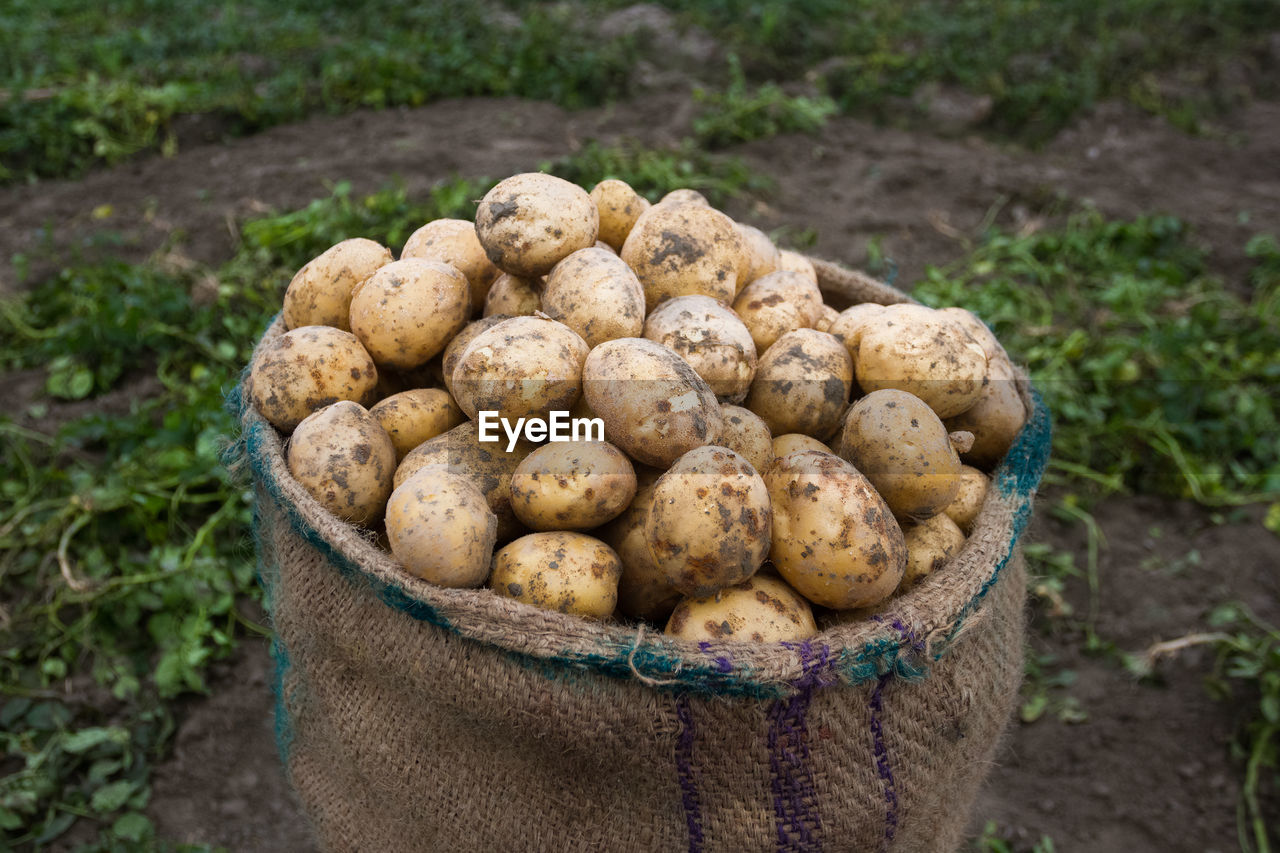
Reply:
x=1147, y=770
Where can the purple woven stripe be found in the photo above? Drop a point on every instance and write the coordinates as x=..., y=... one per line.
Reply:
x=795, y=801
x=882, y=763
x=684, y=772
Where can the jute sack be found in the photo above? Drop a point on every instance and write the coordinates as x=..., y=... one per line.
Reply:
x=413, y=718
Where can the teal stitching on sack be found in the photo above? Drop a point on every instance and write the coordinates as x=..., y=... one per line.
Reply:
x=1017, y=477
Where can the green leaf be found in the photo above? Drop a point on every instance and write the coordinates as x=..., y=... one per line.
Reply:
x=55, y=827
x=9, y=820
x=132, y=827
x=70, y=382
x=86, y=739
x=111, y=797
x=1270, y=705
x=1272, y=521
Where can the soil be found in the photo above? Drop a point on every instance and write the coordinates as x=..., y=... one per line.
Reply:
x=1148, y=769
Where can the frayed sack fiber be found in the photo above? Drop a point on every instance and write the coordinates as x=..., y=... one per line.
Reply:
x=414, y=718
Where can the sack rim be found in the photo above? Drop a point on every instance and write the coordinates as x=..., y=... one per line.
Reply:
x=905, y=639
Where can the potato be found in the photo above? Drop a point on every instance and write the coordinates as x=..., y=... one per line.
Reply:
x=761, y=609
x=320, y=292
x=598, y=296
x=522, y=367
x=568, y=572
x=924, y=352
x=487, y=464
x=834, y=539
x=513, y=296
x=829, y=316
x=345, y=460
x=978, y=329
x=530, y=222
x=619, y=207
x=711, y=338
x=305, y=370
x=684, y=250
x=849, y=324
x=904, y=450
x=452, y=352
x=685, y=196
x=760, y=256
x=441, y=529
x=995, y=419
x=802, y=384
x=796, y=262
x=968, y=501
x=709, y=523
x=930, y=544
x=654, y=406
x=411, y=417
x=792, y=441
x=454, y=242
x=778, y=303
x=747, y=435
x=644, y=592
x=407, y=311
x=572, y=485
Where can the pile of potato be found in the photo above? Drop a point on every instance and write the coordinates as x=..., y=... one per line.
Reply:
x=769, y=462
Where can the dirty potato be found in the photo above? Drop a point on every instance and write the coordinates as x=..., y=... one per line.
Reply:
x=454, y=242
x=995, y=419
x=568, y=572
x=829, y=316
x=441, y=529
x=488, y=464
x=305, y=370
x=709, y=524
x=619, y=207
x=848, y=325
x=513, y=296
x=320, y=292
x=834, y=539
x=345, y=460
x=930, y=544
x=904, y=450
x=778, y=303
x=522, y=367
x=654, y=406
x=711, y=338
x=572, y=485
x=452, y=352
x=802, y=384
x=796, y=262
x=968, y=501
x=746, y=434
x=644, y=592
x=411, y=417
x=761, y=609
x=597, y=295
x=407, y=311
x=760, y=256
x=685, y=196
x=924, y=352
x=530, y=222
x=684, y=250
x=792, y=441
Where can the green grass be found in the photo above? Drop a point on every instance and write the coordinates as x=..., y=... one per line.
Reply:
x=741, y=113
x=87, y=84
x=1041, y=62
x=84, y=84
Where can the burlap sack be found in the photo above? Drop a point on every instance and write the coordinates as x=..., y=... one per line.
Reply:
x=412, y=718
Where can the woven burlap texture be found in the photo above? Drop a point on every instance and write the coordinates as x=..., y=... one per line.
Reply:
x=415, y=718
